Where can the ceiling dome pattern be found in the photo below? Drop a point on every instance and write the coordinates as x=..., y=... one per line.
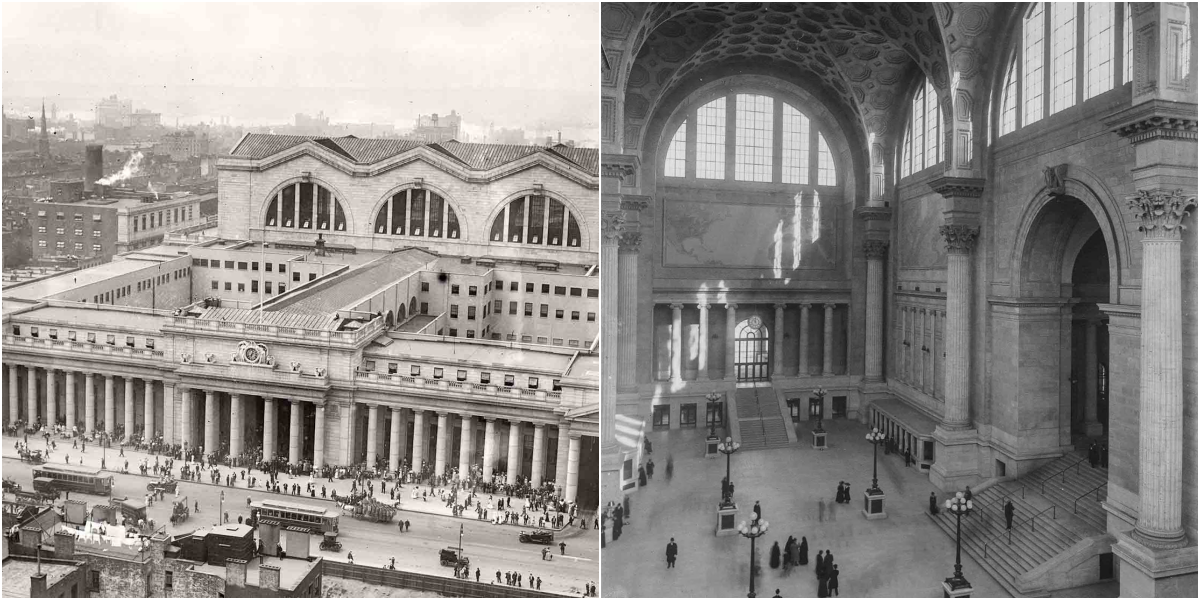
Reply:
x=855, y=52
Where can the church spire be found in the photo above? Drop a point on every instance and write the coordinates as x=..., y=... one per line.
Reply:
x=44, y=140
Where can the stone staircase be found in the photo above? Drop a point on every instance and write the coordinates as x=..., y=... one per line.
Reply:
x=1081, y=481
x=759, y=420
x=1054, y=533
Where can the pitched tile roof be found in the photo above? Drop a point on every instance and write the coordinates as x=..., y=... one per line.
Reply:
x=372, y=150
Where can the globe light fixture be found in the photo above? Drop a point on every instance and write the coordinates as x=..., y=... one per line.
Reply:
x=753, y=530
x=960, y=506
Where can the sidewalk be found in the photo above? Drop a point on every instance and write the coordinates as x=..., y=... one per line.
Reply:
x=114, y=462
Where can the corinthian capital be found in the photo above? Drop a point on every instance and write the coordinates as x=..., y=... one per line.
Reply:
x=612, y=224
x=876, y=249
x=959, y=238
x=1161, y=212
x=630, y=240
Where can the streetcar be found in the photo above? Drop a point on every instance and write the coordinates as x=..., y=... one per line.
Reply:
x=52, y=478
x=312, y=518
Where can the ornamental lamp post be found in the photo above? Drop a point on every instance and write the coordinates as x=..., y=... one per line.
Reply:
x=727, y=447
x=876, y=437
x=958, y=586
x=755, y=529
x=710, y=444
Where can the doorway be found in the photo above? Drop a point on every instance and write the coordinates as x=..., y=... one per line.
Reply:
x=752, y=351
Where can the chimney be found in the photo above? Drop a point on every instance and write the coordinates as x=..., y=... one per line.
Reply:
x=320, y=249
x=64, y=546
x=30, y=536
x=268, y=577
x=37, y=585
x=235, y=572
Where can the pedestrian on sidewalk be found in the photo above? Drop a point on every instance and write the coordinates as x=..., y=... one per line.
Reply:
x=672, y=552
x=833, y=581
x=562, y=548
x=1008, y=514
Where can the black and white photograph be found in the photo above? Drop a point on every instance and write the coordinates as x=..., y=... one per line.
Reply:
x=301, y=300
x=905, y=299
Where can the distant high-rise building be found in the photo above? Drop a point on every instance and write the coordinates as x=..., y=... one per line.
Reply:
x=434, y=128
x=112, y=112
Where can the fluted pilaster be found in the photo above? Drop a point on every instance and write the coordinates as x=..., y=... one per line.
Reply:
x=876, y=252
x=960, y=242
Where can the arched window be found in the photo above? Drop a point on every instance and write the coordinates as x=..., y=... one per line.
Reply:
x=417, y=213
x=1060, y=43
x=305, y=206
x=538, y=220
x=923, y=138
x=752, y=145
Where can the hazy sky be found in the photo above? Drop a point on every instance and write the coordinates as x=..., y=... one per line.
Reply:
x=357, y=62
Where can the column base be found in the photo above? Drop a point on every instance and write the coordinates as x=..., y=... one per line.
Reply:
x=726, y=519
x=956, y=458
x=1149, y=572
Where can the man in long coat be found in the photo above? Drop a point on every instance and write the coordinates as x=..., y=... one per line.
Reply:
x=672, y=552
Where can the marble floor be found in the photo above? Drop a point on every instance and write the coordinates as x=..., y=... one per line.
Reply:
x=905, y=555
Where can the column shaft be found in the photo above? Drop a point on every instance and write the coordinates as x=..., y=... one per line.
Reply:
x=730, y=347
x=72, y=418
x=958, y=340
x=464, y=446
x=560, y=463
x=418, y=439
x=89, y=402
x=31, y=395
x=827, y=354
x=185, y=435
x=539, y=452
x=129, y=410
x=210, y=421
x=702, y=349
x=148, y=408
x=14, y=394
x=489, y=448
x=919, y=346
x=372, y=435
x=514, y=452
x=443, y=443
x=624, y=297
x=237, y=425
x=51, y=397
x=874, y=327
x=168, y=424
x=110, y=411
x=676, y=342
x=572, y=469
x=777, y=364
x=803, y=367
x=394, y=447
x=269, y=427
x=1091, y=381
x=319, y=438
x=294, y=433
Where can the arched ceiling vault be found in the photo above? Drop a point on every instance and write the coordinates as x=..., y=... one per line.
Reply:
x=863, y=56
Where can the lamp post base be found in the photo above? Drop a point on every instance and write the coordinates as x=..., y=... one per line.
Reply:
x=873, y=504
x=710, y=446
x=958, y=587
x=818, y=440
x=726, y=519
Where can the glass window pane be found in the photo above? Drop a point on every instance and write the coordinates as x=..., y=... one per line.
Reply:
x=1099, y=48
x=933, y=129
x=826, y=171
x=754, y=137
x=1008, y=110
x=795, y=146
x=677, y=153
x=1034, y=33
x=918, y=130
x=1062, y=53
x=710, y=140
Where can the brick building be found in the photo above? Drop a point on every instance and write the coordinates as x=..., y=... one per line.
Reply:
x=103, y=227
x=961, y=221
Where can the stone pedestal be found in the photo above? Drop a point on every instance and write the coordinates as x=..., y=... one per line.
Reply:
x=873, y=505
x=726, y=519
x=818, y=440
x=960, y=592
x=1155, y=573
x=710, y=446
x=956, y=455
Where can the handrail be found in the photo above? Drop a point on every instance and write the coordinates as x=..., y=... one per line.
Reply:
x=1032, y=527
x=1064, y=472
x=1075, y=506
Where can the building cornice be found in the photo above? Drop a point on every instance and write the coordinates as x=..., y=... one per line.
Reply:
x=1155, y=119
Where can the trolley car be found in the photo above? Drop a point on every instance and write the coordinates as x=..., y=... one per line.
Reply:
x=52, y=478
x=312, y=518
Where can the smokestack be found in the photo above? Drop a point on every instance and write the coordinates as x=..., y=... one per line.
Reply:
x=93, y=166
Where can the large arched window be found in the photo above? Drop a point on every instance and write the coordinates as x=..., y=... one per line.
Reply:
x=305, y=206
x=417, y=213
x=923, y=138
x=1069, y=52
x=537, y=220
x=701, y=148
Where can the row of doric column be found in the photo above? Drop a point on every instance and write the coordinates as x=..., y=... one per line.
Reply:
x=919, y=353
x=804, y=364
x=52, y=397
x=443, y=425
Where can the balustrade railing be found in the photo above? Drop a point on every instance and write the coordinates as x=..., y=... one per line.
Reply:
x=1032, y=527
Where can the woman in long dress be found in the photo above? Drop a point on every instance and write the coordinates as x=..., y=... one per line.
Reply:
x=803, y=552
x=775, y=556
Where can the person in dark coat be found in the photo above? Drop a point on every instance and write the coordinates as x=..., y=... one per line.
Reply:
x=803, y=550
x=846, y=492
x=1008, y=514
x=757, y=511
x=840, y=489
x=823, y=588
x=642, y=476
x=828, y=568
x=1094, y=455
x=933, y=503
x=967, y=494
x=833, y=581
x=672, y=552
x=789, y=553
x=1104, y=456
x=820, y=566
x=775, y=556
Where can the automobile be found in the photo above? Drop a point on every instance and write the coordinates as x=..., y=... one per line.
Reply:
x=167, y=484
x=453, y=557
x=541, y=536
x=329, y=542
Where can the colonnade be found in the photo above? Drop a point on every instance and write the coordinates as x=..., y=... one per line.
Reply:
x=51, y=396
x=804, y=366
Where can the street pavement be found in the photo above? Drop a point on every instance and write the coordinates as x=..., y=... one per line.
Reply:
x=490, y=547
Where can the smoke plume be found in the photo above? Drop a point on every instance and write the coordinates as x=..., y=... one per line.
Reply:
x=129, y=170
